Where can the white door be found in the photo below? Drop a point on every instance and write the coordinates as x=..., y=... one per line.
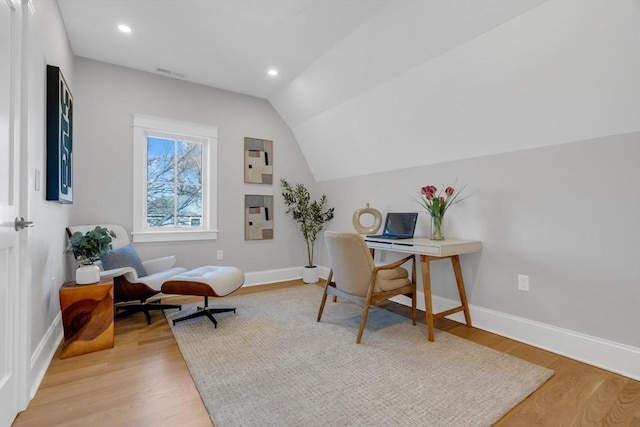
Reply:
x=13, y=344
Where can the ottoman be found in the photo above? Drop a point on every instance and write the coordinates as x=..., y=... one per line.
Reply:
x=208, y=281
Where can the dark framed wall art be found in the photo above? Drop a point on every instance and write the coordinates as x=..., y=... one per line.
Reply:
x=258, y=217
x=59, y=137
x=258, y=161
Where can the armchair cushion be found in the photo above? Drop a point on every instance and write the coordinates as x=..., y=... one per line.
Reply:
x=388, y=280
x=157, y=265
x=396, y=273
x=153, y=280
x=156, y=280
x=125, y=256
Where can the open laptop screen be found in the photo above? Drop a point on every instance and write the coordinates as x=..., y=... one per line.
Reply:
x=401, y=224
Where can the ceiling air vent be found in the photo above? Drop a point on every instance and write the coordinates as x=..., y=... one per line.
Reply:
x=171, y=73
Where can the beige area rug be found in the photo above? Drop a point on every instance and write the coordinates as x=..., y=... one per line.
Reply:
x=272, y=364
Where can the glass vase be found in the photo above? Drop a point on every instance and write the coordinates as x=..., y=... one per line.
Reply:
x=437, y=228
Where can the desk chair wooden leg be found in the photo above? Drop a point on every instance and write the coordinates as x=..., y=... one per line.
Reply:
x=324, y=295
x=365, y=311
x=363, y=320
x=322, y=303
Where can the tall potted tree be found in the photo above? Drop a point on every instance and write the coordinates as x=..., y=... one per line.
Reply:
x=311, y=215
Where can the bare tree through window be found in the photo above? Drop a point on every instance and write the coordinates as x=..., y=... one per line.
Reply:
x=174, y=183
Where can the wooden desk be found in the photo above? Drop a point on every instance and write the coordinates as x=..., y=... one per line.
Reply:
x=87, y=317
x=432, y=250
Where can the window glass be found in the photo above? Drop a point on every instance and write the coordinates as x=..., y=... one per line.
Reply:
x=174, y=183
x=175, y=188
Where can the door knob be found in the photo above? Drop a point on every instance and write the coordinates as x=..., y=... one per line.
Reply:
x=20, y=223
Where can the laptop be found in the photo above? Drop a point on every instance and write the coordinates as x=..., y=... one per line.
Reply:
x=398, y=225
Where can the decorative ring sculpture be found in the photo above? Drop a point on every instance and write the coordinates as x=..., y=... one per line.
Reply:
x=377, y=220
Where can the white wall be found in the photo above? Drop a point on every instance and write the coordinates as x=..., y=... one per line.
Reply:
x=562, y=71
x=46, y=44
x=107, y=96
x=534, y=105
x=565, y=215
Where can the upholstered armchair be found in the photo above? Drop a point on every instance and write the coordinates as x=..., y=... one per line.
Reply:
x=355, y=277
x=137, y=284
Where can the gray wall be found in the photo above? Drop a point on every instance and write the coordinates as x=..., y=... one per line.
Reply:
x=566, y=215
x=106, y=96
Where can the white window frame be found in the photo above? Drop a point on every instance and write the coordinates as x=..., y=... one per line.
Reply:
x=145, y=126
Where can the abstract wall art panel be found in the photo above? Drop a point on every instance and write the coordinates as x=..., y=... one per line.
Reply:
x=258, y=217
x=258, y=161
x=59, y=137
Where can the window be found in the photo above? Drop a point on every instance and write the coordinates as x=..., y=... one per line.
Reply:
x=175, y=190
x=174, y=182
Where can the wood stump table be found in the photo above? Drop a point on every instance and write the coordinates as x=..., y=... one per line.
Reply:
x=87, y=317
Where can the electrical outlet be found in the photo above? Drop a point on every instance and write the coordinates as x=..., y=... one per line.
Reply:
x=219, y=254
x=523, y=282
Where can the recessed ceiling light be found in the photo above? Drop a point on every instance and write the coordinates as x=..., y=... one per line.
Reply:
x=273, y=72
x=124, y=28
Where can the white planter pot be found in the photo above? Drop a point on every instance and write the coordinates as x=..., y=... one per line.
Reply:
x=86, y=274
x=310, y=274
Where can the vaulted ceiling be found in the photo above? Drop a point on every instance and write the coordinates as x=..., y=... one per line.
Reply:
x=228, y=44
x=369, y=86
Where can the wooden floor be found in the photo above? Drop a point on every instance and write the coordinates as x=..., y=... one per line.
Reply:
x=144, y=381
x=577, y=395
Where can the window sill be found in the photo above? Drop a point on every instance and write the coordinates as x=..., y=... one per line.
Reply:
x=173, y=236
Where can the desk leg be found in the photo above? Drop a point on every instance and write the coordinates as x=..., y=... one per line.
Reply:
x=455, y=260
x=426, y=286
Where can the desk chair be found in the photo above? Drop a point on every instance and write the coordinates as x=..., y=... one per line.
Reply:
x=355, y=277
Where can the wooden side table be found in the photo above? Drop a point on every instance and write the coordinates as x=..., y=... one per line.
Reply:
x=87, y=317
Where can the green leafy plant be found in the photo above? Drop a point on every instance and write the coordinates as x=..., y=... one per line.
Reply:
x=89, y=247
x=310, y=215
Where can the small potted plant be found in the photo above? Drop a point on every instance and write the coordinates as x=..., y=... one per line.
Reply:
x=88, y=248
x=310, y=216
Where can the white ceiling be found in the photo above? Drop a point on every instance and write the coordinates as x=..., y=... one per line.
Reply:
x=437, y=80
x=228, y=44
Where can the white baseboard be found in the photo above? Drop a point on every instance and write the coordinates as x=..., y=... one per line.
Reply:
x=612, y=356
x=42, y=356
x=281, y=275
